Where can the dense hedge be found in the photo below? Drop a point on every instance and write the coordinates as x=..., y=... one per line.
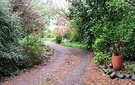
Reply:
x=108, y=26
x=13, y=55
x=58, y=39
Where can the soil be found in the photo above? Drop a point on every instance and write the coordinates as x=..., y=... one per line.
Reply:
x=68, y=66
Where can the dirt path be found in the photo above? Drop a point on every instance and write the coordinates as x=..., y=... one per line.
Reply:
x=69, y=66
x=66, y=68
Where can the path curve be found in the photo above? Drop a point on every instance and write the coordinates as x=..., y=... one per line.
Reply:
x=66, y=69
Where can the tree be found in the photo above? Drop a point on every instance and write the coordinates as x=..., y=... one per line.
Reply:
x=11, y=55
x=30, y=17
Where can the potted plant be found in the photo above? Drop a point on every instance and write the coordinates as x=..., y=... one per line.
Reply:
x=113, y=39
x=117, y=58
x=122, y=35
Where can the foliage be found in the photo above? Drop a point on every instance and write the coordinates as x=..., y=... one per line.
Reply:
x=48, y=33
x=48, y=48
x=77, y=30
x=32, y=48
x=77, y=22
x=108, y=26
x=58, y=39
x=132, y=2
x=12, y=57
x=75, y=44
x=114, y=38
x=30, y=17
x=132, y=67
x=101, y=58
x=67, y=35
x=74, y=36
x=18, y=50
x=48, y=39
x=47, y=11
x=12, y=61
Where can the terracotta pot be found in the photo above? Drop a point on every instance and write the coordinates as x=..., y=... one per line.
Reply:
x=117, y=62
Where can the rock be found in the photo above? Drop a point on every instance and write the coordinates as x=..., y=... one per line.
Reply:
x=46, y=58
x=128, y=76
x=109, y=72
x=111, y=66
x=105, y=70
x=48, y=54
x=133, y=78
x=103, y=67
x=103, y=74
x=35, y=66
x=121, y=76
x=113, y=75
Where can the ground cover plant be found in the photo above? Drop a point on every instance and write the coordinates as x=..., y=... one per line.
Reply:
x=74, y=44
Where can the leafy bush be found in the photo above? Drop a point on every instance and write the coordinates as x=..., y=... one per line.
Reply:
x=108, y=26
x=67, y=35
x=58, y=39
x=114, y=33
x=115, y=39
x=74, y=36
x=12, y=57
x=31, y=19
x=99, y=45
x=132, y=67
x=32, y=48
x=77, y=33
x=48, y=48
x=101, y=58
x=12, y=60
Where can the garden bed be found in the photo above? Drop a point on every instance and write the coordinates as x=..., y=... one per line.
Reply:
x=127, y=71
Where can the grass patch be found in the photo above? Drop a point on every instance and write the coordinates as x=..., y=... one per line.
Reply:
x=70, y=44
x=75, y=44
x=51, y=39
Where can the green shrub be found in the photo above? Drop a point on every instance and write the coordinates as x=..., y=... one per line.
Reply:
x=75, y=36
x=67, y=35
x=48, y=48
x=58, y=39
x=12, y=57
x=101, y=58
x=32, y=48
x=77, y=30
x=129, y=47
x=132, y=67
x=99, y=45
